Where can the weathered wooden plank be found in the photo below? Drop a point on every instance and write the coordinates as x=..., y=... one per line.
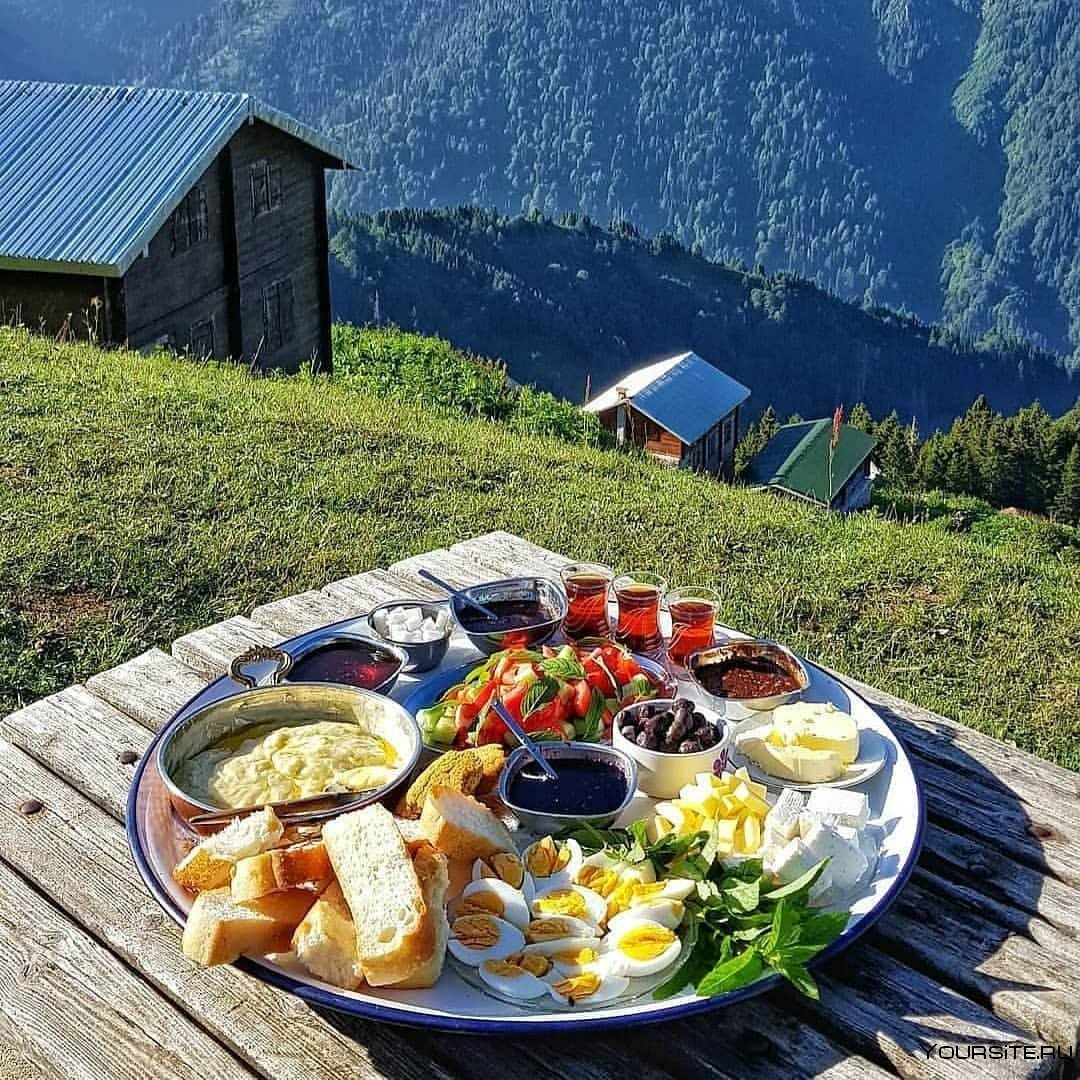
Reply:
x=884, y=1008
x=376, y=587
x=1034, y=985
x=209, y=651
x=80, y=1011
x=150, y=688
x=501, y=561
x=292, y=615
x=981, y=869
x=76, y=854
x=458, y=570
x=81, y=738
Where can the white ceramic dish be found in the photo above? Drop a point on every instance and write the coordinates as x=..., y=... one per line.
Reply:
x=157, y=839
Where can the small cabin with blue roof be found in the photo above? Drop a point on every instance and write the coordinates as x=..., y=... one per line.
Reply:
x=682, y=410
x=192, y=220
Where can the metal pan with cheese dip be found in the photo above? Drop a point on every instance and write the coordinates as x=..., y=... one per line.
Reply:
x=286, y=742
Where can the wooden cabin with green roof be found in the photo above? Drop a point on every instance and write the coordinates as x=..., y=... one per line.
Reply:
x=796, y=461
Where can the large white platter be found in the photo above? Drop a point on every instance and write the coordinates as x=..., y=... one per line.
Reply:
x=157, y=839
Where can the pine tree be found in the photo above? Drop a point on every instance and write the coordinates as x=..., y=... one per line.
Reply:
x=860, y=418
x=1067, y=500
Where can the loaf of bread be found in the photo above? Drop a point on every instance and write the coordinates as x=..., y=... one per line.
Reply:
x=281, y=869
x=219, y=929
x=210, y=863
x=394, y=934
x=325, y=942
x=461, y=827
x=431, y=868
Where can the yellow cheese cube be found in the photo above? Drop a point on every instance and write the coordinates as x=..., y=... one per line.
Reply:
x=730, y=805
x=750, y=834
x=757, y=805
x=725, y=831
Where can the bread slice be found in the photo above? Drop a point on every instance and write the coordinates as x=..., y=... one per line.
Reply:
x=461, y=827
x=410, y=830
x=219, y=929
x=325, y=942
x=280, y=869
x=393, y=932
x=458, y=770
x=431, y=869
x=209, y=864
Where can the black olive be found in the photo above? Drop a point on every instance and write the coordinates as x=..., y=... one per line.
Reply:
x=707, y=736
x=652, y=743
x=679, y=728
x=629, y=731
x=642, y=739
x=651, y=724
x=690, y=746
x=699, y=718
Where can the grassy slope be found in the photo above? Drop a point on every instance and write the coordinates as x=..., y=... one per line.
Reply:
x=141, y=498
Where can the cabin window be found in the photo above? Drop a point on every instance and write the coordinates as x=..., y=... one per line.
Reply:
x=729, y=431
x=201, y=338
x=190, y=222
x=265, y=183
x=278, y=323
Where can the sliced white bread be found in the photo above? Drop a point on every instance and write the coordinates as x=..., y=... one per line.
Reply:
x=393, y=932
x=431, y=869
x=281, y=869
x=209, y=864
x=461, y=827
x=325, y=942
x=219, y=929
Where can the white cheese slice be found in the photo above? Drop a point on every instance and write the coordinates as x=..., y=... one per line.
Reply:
x=782, y=821
x=797, y=763
x=846, y=861
x=789, y=862
x=835, y=806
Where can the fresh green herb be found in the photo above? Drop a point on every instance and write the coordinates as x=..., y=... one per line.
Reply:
x=563, y=668
x=540, y=693
x=738, y=926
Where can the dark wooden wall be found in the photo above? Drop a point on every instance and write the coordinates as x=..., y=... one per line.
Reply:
x=172, y=292
x=288, y=244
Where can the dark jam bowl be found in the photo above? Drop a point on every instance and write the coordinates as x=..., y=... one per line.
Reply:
x=547, y=821
x=533, y=608
x=754, y=653
x=349, y=660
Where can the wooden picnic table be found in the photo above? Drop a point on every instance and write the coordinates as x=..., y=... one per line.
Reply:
x=974, y=972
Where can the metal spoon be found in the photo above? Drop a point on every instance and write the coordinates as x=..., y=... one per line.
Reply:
x=503, y=714
x=457, y=594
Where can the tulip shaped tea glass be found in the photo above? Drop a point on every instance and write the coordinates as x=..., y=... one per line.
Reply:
x=586, y=586
x=693, y=612
x=638, y=594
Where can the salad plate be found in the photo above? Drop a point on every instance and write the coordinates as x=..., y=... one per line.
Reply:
x=158, y=838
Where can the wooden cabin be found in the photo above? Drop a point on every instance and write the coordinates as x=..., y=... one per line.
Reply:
x=796, y=462
x=682, y=411
x=195, y=221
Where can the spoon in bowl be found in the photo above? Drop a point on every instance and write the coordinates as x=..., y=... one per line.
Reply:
x=457, y=594
x=534, y=751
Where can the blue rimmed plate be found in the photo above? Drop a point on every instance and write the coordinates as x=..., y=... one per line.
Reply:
x=158, y=840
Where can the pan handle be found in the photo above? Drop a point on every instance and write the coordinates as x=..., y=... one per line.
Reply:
x=259, y=654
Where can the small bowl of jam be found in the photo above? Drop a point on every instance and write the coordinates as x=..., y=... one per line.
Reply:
x=595, y=784
x=754, y=674
x=528, y=611
x=349, y=660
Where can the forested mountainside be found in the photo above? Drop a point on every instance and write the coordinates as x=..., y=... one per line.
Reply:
x=920, y=153
x=562, y=301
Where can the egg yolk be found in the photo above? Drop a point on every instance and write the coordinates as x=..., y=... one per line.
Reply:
x=648, y=891
x=544, y=858
x=509, y=868
x=548, y=930
x=482, y=903
x=504, y=967
x=620, y=897
x=476, y=931
x=578, y=987
x=577, y=956
x=563, y=902
x=598, y=879
x=645, y=942
x=535, y=965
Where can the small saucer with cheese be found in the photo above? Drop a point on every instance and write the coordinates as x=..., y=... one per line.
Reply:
x=807, y=744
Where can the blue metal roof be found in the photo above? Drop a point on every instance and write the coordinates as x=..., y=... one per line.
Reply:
x=690, y=397
x=89, y=174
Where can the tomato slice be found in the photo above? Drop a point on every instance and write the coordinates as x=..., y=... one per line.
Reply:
x=582, y=697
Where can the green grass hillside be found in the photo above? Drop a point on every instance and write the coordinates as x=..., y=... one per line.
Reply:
x=143, y=497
